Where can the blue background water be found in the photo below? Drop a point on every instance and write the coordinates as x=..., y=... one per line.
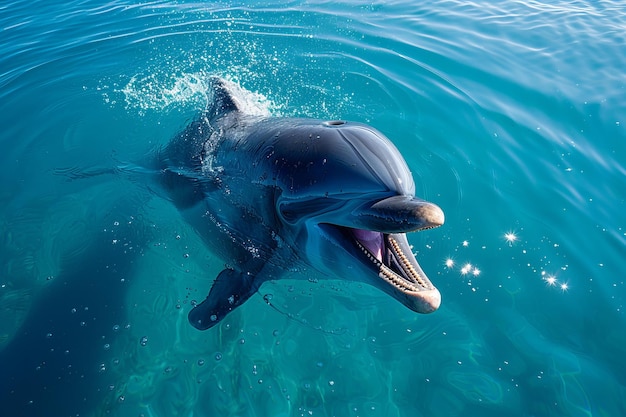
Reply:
x=510, y=114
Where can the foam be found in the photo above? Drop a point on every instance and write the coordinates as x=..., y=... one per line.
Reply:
x=189, y=91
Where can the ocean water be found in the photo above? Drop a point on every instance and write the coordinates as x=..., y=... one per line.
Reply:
x=510, y=114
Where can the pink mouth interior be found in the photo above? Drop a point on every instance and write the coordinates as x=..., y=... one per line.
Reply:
x=372, y=241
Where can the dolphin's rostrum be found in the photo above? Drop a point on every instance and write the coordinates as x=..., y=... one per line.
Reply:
x=269, y=194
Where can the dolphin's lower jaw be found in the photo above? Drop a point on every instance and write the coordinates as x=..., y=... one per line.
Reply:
x=392, y=264
x=406, y=276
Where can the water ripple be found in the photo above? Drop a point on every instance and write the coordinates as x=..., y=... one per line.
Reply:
x=509, y=114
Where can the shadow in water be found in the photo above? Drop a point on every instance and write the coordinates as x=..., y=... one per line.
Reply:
x=55, y=365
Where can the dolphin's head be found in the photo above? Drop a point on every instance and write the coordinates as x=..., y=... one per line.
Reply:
x=346, y=197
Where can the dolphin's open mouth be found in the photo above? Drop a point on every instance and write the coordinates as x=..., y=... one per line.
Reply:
x=389, y=255
x=396, y=264
x=374, y=235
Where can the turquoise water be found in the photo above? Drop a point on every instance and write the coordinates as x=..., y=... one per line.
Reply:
x=510, y=114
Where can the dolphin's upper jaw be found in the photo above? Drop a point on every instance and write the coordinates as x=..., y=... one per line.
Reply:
x=390, y=256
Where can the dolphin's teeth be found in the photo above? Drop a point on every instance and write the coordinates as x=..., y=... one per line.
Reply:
x=408, y=267
x=413, y=281
x=389, y=275
x=369, y=255
x=392, y=277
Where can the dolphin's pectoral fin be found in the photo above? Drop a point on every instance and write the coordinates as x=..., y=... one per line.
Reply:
x=230, y=290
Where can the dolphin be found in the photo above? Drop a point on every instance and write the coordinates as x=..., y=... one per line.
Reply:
x=275, y=194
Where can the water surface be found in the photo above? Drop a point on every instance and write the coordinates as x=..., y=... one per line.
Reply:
x=509, y=114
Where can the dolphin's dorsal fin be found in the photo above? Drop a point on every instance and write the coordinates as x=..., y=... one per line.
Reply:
x=223, y=100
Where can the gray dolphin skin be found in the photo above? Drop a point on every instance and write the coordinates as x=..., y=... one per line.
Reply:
x=271, y=195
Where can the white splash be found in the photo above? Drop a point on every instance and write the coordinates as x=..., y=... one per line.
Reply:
x=163, y=92
x=156, y=92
